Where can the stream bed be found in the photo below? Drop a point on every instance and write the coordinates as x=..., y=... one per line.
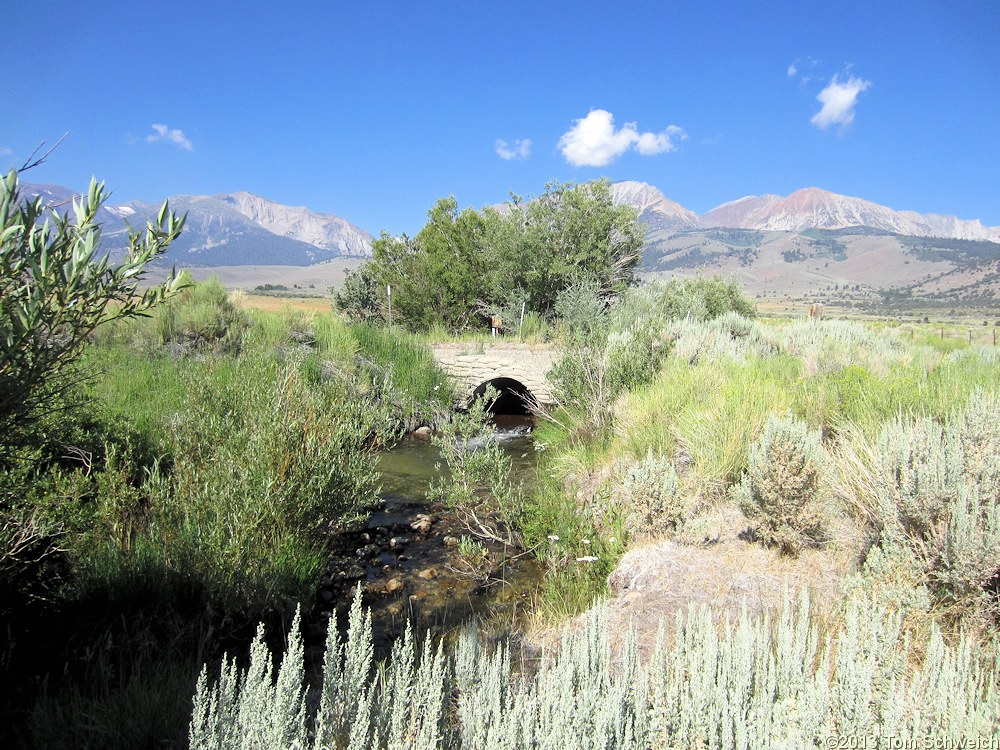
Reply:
x=417, y=560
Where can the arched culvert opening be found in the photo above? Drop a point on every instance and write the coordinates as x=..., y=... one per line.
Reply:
x=514, y=396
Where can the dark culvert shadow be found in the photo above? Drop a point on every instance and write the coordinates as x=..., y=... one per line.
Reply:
x=514, y=396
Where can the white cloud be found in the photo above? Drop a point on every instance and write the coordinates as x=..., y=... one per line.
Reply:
x=4, y=151
x=164, y=133
x=839, y=99
x=800, y=68
x=594, y=142
x=520, y=149
x=649, y=144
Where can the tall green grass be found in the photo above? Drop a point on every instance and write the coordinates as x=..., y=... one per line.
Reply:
x=404, y=361
x=710, y=411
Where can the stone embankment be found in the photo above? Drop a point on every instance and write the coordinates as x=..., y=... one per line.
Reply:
x=719, y=569
x=472, y=365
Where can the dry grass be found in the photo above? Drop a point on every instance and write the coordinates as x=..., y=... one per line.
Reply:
x=266, y=303
x=854, y=482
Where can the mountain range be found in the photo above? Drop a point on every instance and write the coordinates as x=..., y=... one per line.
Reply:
x=232, y=229
x=809, y=208
x=809, y=241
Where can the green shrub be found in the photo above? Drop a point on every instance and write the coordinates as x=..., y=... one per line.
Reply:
x=474, y=462
x=581, y=310
x=696, y=299
x=593, y=373
x=202, y=317
x=464, y=265
x=781, y=488
x=56, y=289
x=258, y=465
x=361, y=298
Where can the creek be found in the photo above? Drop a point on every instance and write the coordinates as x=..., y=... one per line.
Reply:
x=418, y=560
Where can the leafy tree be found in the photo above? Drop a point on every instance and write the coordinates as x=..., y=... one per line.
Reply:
x=55, y=289
x=464, y=265
x=437, y=277
x=569, y=234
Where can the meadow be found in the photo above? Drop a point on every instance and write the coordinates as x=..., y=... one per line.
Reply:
x=863, y=457
x=217, y=448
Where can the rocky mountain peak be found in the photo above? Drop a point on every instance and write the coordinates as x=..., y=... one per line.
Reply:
x=322, y=230
x=655, y=209
x=815, y=208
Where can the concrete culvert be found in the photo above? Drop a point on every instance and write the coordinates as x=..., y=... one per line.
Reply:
x=513, y=399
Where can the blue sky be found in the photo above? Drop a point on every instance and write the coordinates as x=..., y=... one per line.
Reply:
x=372, y=113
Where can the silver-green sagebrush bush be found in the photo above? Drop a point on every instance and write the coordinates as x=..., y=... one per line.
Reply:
x=650, y=495
x=936, y=493
x=832, y=345
x=730, y=336
x=752, y=683
x=781, y=487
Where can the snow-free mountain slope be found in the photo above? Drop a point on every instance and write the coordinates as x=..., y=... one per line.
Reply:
x=737, y=213
x=325, y=231
x=813, y=208
x=655, y=210
x=808, y=208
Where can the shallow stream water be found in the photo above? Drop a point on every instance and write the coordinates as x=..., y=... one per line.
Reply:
x=408, y=555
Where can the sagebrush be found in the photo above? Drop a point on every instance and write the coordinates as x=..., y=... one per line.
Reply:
x=755, y=683
x=780, y=490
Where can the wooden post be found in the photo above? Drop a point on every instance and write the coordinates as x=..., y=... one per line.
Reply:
x=970, y=335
